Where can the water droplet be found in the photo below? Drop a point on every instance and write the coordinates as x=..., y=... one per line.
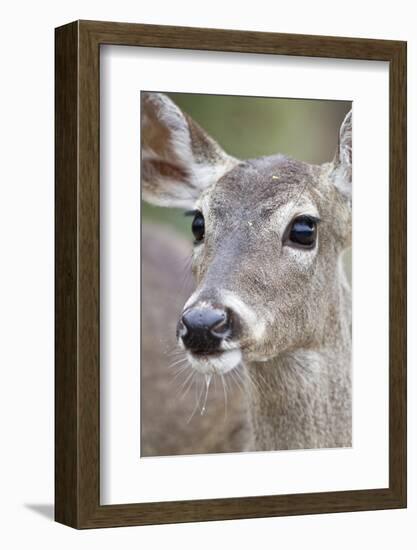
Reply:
x=207, y=378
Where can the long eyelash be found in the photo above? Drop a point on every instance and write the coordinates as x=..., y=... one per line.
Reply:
x=191, y=212
x=314, y=218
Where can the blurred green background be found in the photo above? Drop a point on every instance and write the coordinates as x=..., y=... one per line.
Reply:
x=248, y=127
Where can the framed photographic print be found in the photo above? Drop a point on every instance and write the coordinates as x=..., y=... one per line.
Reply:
x=230, y=274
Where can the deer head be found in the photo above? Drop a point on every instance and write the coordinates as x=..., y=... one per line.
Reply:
x=268, y=235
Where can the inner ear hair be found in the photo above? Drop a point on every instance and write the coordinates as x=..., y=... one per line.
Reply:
x=179, y=159
x=341, y=173
x=345, y=140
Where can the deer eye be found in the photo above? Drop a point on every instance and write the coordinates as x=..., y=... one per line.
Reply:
x=197, y=227
x=302, y=232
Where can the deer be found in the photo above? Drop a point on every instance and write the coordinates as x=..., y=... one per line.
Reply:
x=271, y=296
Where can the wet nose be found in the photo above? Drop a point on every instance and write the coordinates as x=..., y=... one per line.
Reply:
x=202, y=329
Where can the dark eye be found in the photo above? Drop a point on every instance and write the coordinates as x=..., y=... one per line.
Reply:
x=197, y=227
x=303, y=232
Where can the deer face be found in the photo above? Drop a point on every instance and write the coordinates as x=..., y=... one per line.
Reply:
x=268, y=236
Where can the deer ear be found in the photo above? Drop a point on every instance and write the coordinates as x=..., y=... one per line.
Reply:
x=179, y=160
x=342, y=164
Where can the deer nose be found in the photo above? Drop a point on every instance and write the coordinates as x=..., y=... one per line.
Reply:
x=202, y=330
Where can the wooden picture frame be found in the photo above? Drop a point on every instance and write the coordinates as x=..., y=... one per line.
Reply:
x=77, y=373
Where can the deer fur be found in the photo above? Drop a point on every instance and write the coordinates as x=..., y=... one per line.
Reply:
x=294, y=305
x=171, y=424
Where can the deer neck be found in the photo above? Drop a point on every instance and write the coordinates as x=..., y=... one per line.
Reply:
x=302, y=397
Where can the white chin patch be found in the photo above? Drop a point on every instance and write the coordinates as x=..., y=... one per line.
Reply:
x=220, y=364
